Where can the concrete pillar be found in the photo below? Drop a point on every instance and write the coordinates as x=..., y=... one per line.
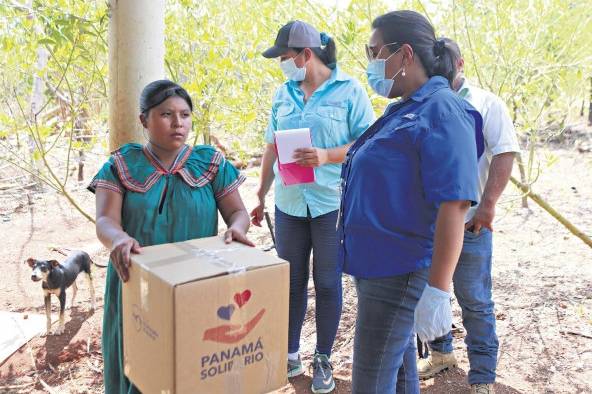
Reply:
x=136, y=57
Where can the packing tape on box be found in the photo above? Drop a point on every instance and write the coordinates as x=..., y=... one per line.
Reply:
x=144, y=290
x=191, y=251
x=215, y=256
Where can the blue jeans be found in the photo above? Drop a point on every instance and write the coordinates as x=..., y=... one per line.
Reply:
x=384, y=342
x=472, y=287
x=295, y=238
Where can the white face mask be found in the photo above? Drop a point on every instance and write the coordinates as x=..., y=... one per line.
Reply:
x=377, y=79
x=291, y=71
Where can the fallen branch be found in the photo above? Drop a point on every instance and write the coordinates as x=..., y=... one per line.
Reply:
x=14, y=177
x=545, y=205
x=46, y=386
x=9, y=186
x=18, y=386
x=577, y=334
x=60, y=251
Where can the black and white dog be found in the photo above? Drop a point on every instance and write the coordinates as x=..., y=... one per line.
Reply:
x=56, y=278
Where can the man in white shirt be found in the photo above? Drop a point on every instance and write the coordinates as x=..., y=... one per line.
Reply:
x=472, y=278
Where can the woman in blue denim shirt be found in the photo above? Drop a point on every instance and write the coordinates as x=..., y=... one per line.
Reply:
x=319, y=96
x=407, y=183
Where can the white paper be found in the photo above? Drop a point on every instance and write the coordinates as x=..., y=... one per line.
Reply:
x=287, y=141
x=16, y=330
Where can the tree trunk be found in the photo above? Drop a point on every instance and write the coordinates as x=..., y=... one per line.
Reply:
x=136, y=57
x=82, y=134
x=81, y=160
x=523, y=179
x=590, y=105
x=35, y=106
x=519, y=155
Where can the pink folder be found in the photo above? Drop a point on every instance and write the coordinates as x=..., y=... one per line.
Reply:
x=293, y=173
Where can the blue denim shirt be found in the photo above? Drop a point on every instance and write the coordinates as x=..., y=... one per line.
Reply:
x=421, y=152
x=337, y=113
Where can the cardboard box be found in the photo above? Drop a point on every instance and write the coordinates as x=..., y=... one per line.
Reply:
x=204, y=317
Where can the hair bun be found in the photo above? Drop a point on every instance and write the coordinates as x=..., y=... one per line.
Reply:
x=439, y=47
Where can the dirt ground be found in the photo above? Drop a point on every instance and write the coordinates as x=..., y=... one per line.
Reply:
x=542, y=290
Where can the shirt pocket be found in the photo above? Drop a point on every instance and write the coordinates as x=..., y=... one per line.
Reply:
x=405, y=132
x=286, y=115
x=400, y=132
x=394, y=143
x=409, y=125
x=334, y=118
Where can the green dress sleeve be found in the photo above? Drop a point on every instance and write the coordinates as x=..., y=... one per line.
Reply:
x=107, y=178
x=227, y=180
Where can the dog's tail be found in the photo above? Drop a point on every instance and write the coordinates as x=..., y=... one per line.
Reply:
x=101, y=264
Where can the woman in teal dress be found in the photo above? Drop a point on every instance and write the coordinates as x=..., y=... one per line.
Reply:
x=164, y=191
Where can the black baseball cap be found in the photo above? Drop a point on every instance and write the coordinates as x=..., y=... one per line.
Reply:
x=295, y=34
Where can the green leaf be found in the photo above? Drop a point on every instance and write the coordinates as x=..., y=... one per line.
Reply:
x=46, y=41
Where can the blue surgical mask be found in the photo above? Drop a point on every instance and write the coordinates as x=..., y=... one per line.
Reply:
x=376, y=72
x=291, y=71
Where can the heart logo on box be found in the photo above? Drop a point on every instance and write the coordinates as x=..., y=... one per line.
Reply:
x=225, y=312
x=233, y=333
x=242, y=298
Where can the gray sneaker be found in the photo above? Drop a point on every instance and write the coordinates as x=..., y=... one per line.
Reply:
x=322, y=378
x=482, y=388
x=295, y=368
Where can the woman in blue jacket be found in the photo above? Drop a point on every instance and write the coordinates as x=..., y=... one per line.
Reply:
x=407, y=183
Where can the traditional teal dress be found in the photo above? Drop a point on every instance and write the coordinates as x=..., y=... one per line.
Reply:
x=159, y=206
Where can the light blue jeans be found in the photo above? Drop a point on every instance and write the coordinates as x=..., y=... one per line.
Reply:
x=384, y=342
x=472, y=287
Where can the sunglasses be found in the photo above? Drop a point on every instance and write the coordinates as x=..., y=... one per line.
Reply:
x=370, y=53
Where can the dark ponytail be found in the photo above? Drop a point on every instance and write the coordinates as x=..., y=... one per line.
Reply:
x=327, y=53
x=410, y=27
x=443, y=61
x=454, y=51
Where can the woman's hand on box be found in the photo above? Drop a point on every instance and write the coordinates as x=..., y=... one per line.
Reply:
x=238, y=235
x=121, y=250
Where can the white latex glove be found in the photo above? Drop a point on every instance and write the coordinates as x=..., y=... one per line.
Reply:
x=433, y=315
